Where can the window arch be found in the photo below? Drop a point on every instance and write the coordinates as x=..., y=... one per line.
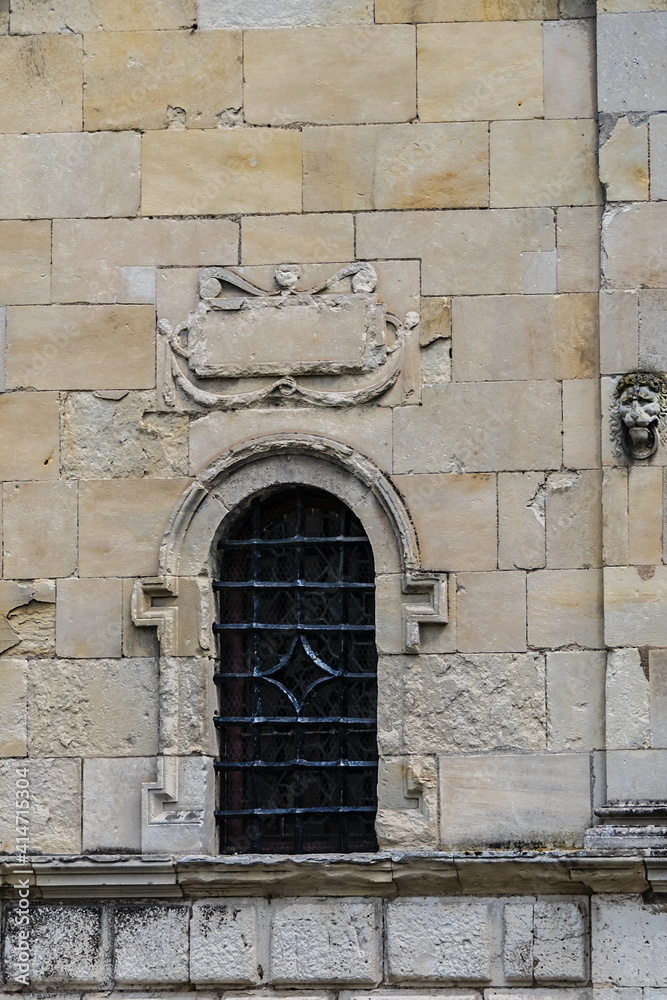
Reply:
x=296, y=672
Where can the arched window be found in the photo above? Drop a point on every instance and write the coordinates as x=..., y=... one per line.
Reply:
x=296, y=672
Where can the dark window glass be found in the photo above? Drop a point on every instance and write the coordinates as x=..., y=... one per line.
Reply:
x=297, y=678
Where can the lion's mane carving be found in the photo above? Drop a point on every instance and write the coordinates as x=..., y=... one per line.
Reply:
x=639, y=414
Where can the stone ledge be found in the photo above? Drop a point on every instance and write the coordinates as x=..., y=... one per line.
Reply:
x=384, y=874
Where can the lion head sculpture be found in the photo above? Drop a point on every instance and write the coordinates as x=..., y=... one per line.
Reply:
x=640, y=413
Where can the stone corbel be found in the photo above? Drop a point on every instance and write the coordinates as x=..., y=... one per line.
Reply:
x=165, y=617
x=169, y=824
x=432, y=612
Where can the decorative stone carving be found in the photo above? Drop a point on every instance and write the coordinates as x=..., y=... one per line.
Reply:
x=240, y=330
x=639, y=414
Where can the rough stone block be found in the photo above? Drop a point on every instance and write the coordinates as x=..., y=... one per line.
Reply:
x=25, y=261
x=518, y=944
x=658, y=140
x=89, y=255
x=80, y=15
x=462, y=252
x=13, y=708
x=67, y=946
x=628, y=941
x=89, y=618
x=81, y=347
x=508, y=426
x=635, y=605
x=29, y=435
x=151, y=945
x=493, y=71
x=549, y=162
x=624, y=161
x=27, y=618
x=576, y=700
x=330, y=76
x=542, y=337
x=136, y=80
x=521, y=520
x=632, y=61
x=46, y=81
x=645, y=515
x=581, y=421
x=121, y=523
x=278, y=13
x=40, y=525
x=455, y=518
x=396, y=166
x=615, y=517
x=618, y=331
x=456, y=703
x=636, y=775
x=464, y=10
x=55, y=805
x=326, y=942
x=565, y=608
x=224, y=945
x=578, y=239
x=573, y=514
x=634, y=242
x=303, y=238
x=82, y=707
x=210, y=172
x=117, y=438
x=439, y=939
x=36, y=175
x=627, y=701
x=491, y=612
x=501, y=799
x=407, y=803
x=112, y=802
x=658, y=696
x=652, y=341
x=569, y=69
x=559, y=949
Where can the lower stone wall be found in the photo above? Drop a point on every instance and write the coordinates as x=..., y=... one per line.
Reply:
x=502, y=945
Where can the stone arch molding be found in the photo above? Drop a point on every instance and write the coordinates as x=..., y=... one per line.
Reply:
x=179, y=603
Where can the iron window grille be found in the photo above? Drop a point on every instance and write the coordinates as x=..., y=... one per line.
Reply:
x=296, y=673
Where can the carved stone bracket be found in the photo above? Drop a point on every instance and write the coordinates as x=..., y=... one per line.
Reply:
x=164, y=617
x=434, y=588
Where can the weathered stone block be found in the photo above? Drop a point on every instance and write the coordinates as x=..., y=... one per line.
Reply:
x=518, y=944
x=491, y=612
x=326, y=942
x=559, y=950
x=652, y=345
x=80, y=15
x=455, y=519
x=13, y=708
x=464, y=10
x=636, y=775
x=89, y=254
x=29, y=435
x=500, y=799
x=278, y=13
x=569, y=69
x=578, y=233
x=67, y=946
x=151, y=945
x=396, y=166
x=200, y=172
x=89, y=618
x=81, y=707
x=658, y=696
x=439, y=939
x=276, y=239
x=581, y=421
x=521, y=520
x=634, y=605
x=463, y=253
x=493, y=71
x=330, y=76
x=618, y=331
x=40, y=526
x=112, y=802
x=81, y=347
x=576, y=700
x=615, y=517
x=624, y=162
x=224, y=945
x=573, y=514
x=658, y=140
x=46, y=81
x=121, y=523
x=627, y=701
x=455, y=703
x=565, y=608
x=25, y=261
x=36, y=175
x=508, y=425
x=645, y=517
x=542, y=337
x=55, y=805
x=544, y=163
x=27, y=617
x=117, y=438
x=135, y=79
x=634, y=240
x=628, y=941
x=407, y=803
x=632, y=61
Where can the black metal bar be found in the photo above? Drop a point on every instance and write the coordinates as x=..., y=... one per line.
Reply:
x=294, y=721
x=263, y=626
x=269, y=765
x=324, y=810
x=291, y=585
x=277, y=543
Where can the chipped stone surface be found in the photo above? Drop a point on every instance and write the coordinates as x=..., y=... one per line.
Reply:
x=518, y=946
x=628, y=941
x=624, y=162
x=151, y=945
x=282, y=13
x=407, y=803
x=634, y=239
x=35, y=627
x=68, y=946
x=223, y=942
x=632, y=61
x=560, y=940
x=439, y=939
x=521, y=520
x=55, y=804
x=627, y=701
x=574, y=531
